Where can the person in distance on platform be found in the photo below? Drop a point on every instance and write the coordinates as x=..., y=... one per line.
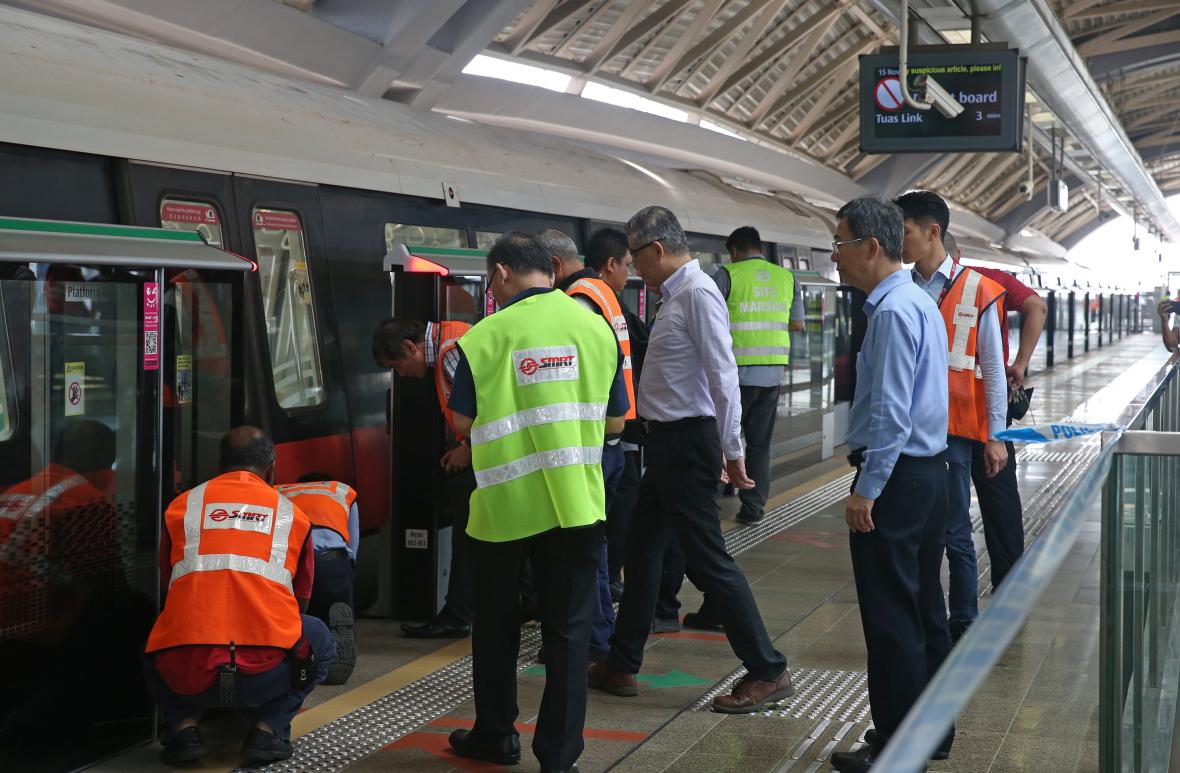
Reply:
x=999, y=495
x=584, y=285
x=538, y=387
x=691, y=406
x=971, y=307
x=415, y=349
x=237, y=559
x=335, y=534
x=1171, y=335
x=896, y=510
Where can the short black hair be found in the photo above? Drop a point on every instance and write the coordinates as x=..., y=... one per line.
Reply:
x=870, y=216
x=258, y=453
x=521, y=252
x=314, y=477
x=606, y=243
x=87, y=446
x=390, y=334
x=924, y=208
x=744, y=238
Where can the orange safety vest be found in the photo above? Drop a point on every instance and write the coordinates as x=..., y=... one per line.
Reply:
x=55, y=501
x=235, y=550
x=325, y=503
x=603, y=297
x=449, y=334
x=969, y=296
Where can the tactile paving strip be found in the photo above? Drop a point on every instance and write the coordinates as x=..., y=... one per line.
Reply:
x=373, y=727
x=835, y=696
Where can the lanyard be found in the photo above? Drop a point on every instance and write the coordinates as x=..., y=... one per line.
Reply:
x=946, y=288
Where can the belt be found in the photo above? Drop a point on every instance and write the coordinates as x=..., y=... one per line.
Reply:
x=857, y=458
x=650, y=426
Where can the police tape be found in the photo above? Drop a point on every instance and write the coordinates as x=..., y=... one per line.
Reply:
x=1048, y=433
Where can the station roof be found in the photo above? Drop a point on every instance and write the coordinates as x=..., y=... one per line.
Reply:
x=1105, y=74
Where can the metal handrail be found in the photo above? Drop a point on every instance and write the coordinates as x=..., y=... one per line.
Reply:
x=972, y=659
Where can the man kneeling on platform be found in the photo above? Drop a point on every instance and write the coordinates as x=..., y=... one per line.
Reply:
x=236, y=557
x=335, y=532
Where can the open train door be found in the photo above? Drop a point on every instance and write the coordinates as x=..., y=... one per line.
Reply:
x=105, y=364
x=428, y=284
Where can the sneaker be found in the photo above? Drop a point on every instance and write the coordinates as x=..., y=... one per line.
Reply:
x=261, y=746
x=665, y=626
x=183, y=746
x=343, y=628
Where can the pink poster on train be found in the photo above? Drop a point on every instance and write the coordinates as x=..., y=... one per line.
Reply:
x=151, y=326
x=275, y=220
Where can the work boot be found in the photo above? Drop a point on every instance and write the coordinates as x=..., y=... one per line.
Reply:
x=343, y=628
x=261, y=746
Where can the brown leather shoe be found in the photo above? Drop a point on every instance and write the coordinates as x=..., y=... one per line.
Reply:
x=600, y=677
x=749, y=695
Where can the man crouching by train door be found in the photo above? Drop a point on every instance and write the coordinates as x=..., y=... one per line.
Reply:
x=335, y=531
x=538, y=387
x=236, y=558
x=413, y=349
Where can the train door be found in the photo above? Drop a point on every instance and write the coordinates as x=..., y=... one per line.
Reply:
x=300, y=370
x=86, y=467
x=429, y=284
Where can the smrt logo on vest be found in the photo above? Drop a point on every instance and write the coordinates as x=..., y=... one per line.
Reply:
x=243, y=517
x=550, y=363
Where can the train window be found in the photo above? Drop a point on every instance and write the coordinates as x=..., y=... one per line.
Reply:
x=706, y=258
x=178, y=215
x=485, y=239
x=804, y=264
x=287, y=308
x=423, y=236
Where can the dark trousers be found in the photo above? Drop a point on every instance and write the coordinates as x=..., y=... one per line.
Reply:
x=604, y=617
x=457, y=503
x=333, y=582
x=618, y=515
x=898, y=587
x=270, y=695
x=1003, y=516
x=963, y=598
x=677, y=500
x=671, y=579
x=564, y=563
x=759, y=410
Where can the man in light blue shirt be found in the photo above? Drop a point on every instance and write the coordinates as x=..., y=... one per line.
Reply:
x=896, y=512
x=944, y=280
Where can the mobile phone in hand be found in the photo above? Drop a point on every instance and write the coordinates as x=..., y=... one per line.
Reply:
x=1174, y=307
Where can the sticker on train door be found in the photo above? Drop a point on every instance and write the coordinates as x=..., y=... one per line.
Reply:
x=184, y=378
x=151, y=326
x=75, y=382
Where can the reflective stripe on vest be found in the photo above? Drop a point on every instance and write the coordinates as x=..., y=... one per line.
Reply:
x=541, y=460
x=759, y=304
x=602, y=296
x=966, y=317
x=533, y=417
x=273, y=569
x=449, y=334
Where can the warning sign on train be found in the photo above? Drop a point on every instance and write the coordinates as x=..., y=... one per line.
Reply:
x=273, y=220
x=888, y=94
x=175, y=212
x=75, y=384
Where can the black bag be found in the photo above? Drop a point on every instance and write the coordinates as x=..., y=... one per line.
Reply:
x=1018, y=401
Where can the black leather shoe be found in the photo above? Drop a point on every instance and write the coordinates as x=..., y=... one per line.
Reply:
x=874, y=740
x=858, y=761
x=505, y=752
x=701, y=622
x=261, y=746
x=183, y=746
x=749, y=519
x=436, y=629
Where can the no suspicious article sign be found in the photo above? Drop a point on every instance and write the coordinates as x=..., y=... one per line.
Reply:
x=888, y=95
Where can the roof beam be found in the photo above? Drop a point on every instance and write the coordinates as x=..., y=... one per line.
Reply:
x=899, y=172
x=827, y=71
x=522, y=35
x=665, y=14
x=766, y=10
x=556, y=17
x=589, y=19
x=753, y=34
x=801, y=59
x=1088, y=11
x=1106, y=42
x=822, y=106
x=1135, y=43
x=612, y=42
x=670, y=65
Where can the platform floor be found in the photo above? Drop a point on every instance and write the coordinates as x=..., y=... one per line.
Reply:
x=1036, y=712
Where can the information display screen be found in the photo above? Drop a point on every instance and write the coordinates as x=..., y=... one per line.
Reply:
x=988, y=82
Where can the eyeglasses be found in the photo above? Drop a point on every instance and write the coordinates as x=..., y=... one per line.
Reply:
x=636, y=250
x=836, y=245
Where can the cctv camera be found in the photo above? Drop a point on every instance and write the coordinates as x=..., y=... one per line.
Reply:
x=929, y=91
x=1025, y=190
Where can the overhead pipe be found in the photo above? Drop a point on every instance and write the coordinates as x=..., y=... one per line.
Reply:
x=903, y=60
